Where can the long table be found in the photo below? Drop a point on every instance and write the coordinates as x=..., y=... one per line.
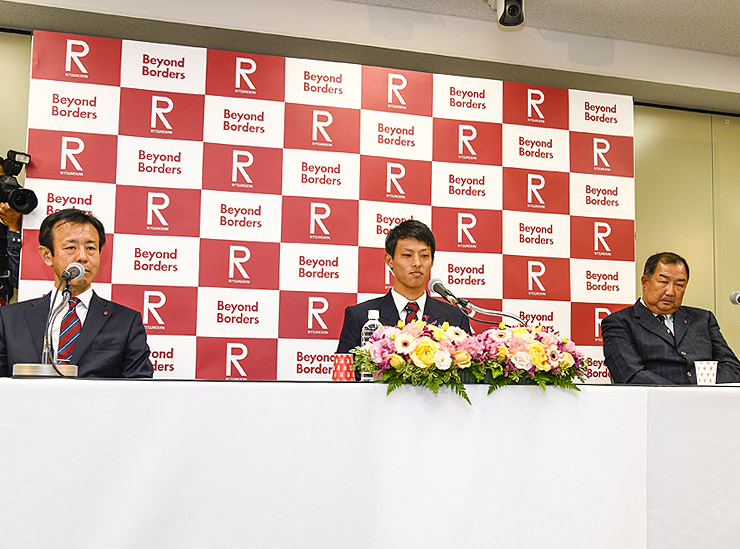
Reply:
x=152, y=464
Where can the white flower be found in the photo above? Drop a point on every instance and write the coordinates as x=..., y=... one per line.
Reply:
x=521, y=360
x=442, y=360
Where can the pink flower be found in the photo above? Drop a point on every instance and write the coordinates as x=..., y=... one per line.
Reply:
x=447, y=345
x=404, y=344
x=569, y=347
x=380, y=350
x=473, y=345
x=517, y=345
x=548, y=339
x=413, y=328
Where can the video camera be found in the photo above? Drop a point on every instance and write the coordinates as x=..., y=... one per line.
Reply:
x=21, y=200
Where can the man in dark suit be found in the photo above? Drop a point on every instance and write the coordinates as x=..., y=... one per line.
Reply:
x=111, y=342
x=409, y=252
x=657, y=340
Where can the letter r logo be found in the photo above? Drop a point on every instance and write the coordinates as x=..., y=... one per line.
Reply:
x=239, y=162
x=155, y=203
x=161, y=106
x=76, y=49
x=244, y=67
x=600, y=314
x=153, y=300
x=316, y=307
x=321, y=121
x=396, y=83
x=601, y=147
x=238, y=256
x=319, y=212
x=234, y=353
x=601, y=231
x=535, y=269
x=465, y=135
x=71, y=146
x=465, y=222
x=534, y=99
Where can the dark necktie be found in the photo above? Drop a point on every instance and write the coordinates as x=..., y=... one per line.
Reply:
x=69, y=331
x=412, y=307
x=664, y=321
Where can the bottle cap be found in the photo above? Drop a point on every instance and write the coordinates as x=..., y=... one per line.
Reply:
x=373, y=314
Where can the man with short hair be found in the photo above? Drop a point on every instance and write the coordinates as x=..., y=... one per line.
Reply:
x=657, y=340
x=409, y=252
x=104, y=339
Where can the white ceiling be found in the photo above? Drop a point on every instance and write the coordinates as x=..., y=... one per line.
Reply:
x=707, y=25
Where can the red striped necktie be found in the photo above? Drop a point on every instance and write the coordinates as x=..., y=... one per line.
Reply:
x=412, y=307
x=69, y=331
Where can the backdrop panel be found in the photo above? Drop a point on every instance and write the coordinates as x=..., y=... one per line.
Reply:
x=247, y=197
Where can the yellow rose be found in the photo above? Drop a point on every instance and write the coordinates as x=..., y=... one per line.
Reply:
x=567, y=359
x=396, y=361
x=439, y=333
x=538, y=355
x=423, y=355
x=503, y=352
x=462, y=358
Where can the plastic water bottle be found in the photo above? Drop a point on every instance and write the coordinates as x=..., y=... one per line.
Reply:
x=368, y=329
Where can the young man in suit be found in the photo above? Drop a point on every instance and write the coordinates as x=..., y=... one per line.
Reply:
x=657, y=340
x=409, y=252
x=108, y=342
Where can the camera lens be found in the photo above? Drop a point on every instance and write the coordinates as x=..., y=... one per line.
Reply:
x=23, y=201
x=513, y=10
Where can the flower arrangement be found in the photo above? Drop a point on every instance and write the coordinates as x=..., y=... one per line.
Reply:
x=527, y=355
x=433, y=356
x=418, y=353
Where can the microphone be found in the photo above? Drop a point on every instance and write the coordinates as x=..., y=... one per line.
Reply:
x=74, y=271
x=735, y=298
x=436, y=286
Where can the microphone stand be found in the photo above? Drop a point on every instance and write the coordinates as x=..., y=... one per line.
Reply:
x=49, y=356
x=464, y=304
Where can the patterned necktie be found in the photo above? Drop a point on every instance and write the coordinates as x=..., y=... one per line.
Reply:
x=664, y=321
x=412, y=307
x=69, y=331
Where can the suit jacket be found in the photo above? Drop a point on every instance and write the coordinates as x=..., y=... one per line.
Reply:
x=355, y=317
x=638, y=349
x=111, y=344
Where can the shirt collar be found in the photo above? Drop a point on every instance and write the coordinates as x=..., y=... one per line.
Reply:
x=667, y=317
x=401, y=301
x=84, y=297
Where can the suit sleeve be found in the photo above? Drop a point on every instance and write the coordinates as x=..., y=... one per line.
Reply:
x=350, y=335
x=621, y=356
x=728, y=366
x=136, y=361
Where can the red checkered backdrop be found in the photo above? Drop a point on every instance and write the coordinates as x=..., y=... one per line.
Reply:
x=247, y=197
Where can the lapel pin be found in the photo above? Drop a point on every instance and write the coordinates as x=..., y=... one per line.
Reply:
x=105, y=313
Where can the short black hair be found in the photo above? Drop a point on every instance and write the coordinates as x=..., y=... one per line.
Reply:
x=669, y=258
x=68, y=215
x=411, y=228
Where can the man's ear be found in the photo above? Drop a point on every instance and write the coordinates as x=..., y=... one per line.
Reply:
x=389, y=260
x=45, y=254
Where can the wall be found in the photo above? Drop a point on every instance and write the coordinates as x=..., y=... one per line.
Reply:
x=15, y=51
x=685, y=173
